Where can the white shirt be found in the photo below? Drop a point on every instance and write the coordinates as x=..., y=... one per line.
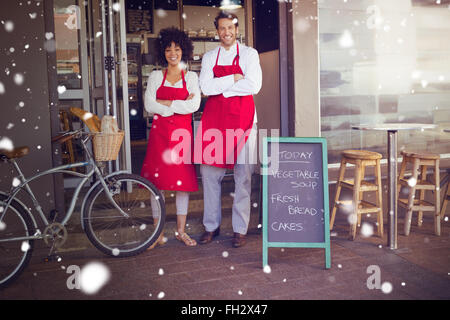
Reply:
x=249, y=63
x=178, y=106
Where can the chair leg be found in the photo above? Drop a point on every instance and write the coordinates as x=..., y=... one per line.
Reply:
x=444, y=204
x=356, y=187
x=437, y=201
x=361, y=193
x=379, y=195
x=338, y=192
x=423, y=177
x=401, y=175
x=412, y=191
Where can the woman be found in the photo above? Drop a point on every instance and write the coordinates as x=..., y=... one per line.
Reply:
x=172, y=95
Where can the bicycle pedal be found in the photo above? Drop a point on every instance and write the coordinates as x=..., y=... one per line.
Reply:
x=52, y=257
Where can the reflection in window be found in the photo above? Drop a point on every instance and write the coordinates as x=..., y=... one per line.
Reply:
x=66, y=36
x=381, y=62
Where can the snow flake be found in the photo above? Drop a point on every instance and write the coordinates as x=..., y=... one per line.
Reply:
x=6, y=144
x=2, y=88
x=161, y=271
x=18, y=79
x=161, y=13
x=346, y=39
x=267, y=269
x=133, y=112
x=352, y=218
x=12, y=49
x=179, y=183
x=33, y=15
x=161, y=295
x=21, y=104
x=2, y=224
x=25, y=246
x=259, y=226
x=412, y=182
x=93, y=277
x=366, y=230
x=61, y=89
x=255, y=205
x=446, y=219
x=231, y=268
x=15, y=182
x=49, y=35
x=184, y=16
x=116, y=7
x=39, y=147
x=98, y=34
x=386, y=287
x=403, y=284
x=26, y=47
x=225, y=254
x=9, y=26
x=339, y=266
x=115, y=252
x=240, y=292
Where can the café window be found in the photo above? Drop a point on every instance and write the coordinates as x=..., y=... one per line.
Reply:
x=381, y=62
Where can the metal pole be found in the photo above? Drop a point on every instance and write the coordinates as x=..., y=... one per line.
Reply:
x=392, y=191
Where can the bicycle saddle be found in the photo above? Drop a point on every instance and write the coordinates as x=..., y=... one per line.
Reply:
x=14, y=153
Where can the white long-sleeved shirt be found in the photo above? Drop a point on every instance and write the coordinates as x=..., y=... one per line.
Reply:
x=249, y=63
x=178, y=106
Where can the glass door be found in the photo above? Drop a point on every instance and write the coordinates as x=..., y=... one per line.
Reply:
x=109, y=70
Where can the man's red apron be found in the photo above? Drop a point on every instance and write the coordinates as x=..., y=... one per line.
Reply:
x=220, y=113
x=165, y=168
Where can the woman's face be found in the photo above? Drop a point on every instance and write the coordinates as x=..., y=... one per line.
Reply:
x=173, y=54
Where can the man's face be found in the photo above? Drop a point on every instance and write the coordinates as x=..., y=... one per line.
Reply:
x=227, y=31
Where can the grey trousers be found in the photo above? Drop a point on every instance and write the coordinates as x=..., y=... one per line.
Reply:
x=212, y=190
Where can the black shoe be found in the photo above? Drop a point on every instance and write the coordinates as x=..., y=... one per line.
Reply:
x=238, y=240
x=207, y=236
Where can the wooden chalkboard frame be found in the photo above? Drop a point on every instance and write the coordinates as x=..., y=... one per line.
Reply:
x=266, y=244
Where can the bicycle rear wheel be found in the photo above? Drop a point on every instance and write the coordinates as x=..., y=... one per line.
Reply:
x=14, y=254
x=113, y=233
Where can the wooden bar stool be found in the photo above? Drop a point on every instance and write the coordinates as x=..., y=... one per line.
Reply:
x=361, y=159
x=446, y=200
x=418, y=181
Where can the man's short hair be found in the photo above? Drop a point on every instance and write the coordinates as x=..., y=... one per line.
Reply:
x=226, y=15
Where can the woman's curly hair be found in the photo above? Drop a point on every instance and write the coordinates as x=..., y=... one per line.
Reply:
x=166, y=37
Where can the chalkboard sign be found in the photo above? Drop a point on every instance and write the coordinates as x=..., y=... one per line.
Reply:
x=295, y=194
x=139, y=15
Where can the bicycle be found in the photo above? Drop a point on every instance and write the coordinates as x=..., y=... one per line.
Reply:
x=114, y=212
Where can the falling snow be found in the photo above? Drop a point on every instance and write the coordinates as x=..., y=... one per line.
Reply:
x=93, y=277
x=386, y=287
x=25, y=246
x=6, y=144
x=366, y=230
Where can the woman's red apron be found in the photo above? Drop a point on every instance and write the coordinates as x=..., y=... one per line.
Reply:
x=166, y=168
x=220, y=113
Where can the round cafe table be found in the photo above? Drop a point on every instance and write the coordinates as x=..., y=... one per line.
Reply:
x=392, y=130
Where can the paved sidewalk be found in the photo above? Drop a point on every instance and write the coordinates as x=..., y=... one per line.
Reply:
x=419, y=269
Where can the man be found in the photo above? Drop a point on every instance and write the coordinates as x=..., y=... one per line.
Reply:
x=230, y=76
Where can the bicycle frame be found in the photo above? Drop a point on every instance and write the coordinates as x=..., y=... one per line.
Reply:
x=24, y=185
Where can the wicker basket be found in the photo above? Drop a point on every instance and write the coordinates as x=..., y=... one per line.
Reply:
x=107, y=145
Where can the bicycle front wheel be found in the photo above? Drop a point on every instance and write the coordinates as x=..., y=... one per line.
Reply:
x=117, y=234
x=15, y=252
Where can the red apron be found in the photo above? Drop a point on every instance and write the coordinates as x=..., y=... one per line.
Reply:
x=220, y=113
x=166, y=168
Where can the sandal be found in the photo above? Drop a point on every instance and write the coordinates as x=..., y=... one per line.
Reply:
x=184, y=237
x=160, y=241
